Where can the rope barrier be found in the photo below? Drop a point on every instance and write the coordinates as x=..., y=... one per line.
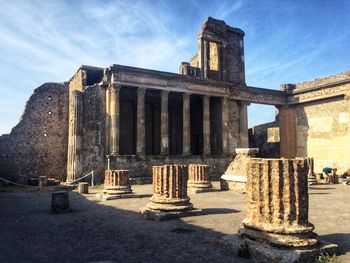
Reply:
x=92, y=178
x=23, y=185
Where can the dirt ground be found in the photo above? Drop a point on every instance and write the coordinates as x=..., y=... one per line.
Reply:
x=113, y=231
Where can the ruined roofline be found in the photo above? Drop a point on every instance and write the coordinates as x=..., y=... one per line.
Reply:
x=220, y=23
x=85, y=67
x=116, y=67
x=332, y=80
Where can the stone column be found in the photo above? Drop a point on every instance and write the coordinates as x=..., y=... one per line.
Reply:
x=169, y=193
x=116, y=185
x=186, y=124
x=206, y=58
x=225, y=138
x=278, y=204
x=198, y=178
x=206, y=125
x=140, y=140
x=243, y=125
x=164, y=145
x=107, y=122
x=74, y=158
x=288, y=133
x=114, y=123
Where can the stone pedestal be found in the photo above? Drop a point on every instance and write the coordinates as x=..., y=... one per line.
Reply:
x=277, y=210
x=116, y=185
x=60, y=202
x=169, y=198
x=235, y=177
x=83, y=188
x=198, y=178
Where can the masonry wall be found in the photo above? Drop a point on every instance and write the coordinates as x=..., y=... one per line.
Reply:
x=259, y=137
x=323, y=132
x=37, y=145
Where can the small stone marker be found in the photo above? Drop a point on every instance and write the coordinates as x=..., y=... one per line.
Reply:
x=60, y=202
x=83, y=188
x=42, y=181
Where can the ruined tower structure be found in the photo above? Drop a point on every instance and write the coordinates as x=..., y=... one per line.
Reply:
x=134, y=118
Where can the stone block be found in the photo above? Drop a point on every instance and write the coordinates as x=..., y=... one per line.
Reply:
x=60, y=202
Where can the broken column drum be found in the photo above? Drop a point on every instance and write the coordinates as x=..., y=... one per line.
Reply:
x=116, y=182
x=278, y=204
x=198, y=178
x=170, y=189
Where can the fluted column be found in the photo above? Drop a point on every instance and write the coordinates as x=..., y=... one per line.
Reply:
x=206, y=125
x=198, y=178
x=186, y=124
x=278, y=204
x=170, y=188
x=114, y=119
x=164, y=145
x=140, y=140
x=116, y=182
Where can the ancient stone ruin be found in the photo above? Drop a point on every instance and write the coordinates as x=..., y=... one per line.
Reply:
x=277, y=222
x=116, y=185
x=198, y=178
x=138, y=118
x=170, y=197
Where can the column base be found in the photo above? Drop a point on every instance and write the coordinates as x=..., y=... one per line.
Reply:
x=199, y=187
x=288, y=240
x=106, y=197
x=116, y=190
x=264, y=253
x=160, y=215
x=170, y=204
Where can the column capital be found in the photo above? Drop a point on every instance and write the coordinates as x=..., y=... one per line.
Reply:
x=141, y=91
x=186, y=95
x=114, y=87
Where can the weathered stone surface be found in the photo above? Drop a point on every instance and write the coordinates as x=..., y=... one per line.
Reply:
x=198, y=178
x=169, y=192
x=235, y=176
x=37, y=145
x=277, y=210
x=264, y=253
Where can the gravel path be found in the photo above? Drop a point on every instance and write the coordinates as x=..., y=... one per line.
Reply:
x=113, y=231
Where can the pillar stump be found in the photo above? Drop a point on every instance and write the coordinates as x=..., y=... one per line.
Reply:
x=276, y=227
x=169, y=199
x=198, y=178
x=60, y=202
x=116, y=185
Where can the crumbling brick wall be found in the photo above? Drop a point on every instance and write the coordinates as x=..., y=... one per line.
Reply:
x=37, y=145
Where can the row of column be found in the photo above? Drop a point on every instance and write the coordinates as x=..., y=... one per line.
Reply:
x=112, y=106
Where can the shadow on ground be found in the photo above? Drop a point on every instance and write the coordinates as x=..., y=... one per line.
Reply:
x=98, y=231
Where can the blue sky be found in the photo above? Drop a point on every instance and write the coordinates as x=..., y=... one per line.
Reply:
x=46, y=41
